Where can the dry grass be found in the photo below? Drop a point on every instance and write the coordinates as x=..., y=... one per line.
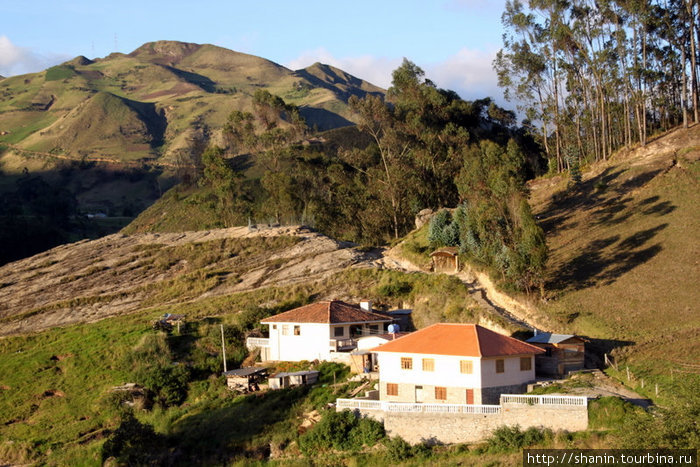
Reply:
x=624, y=258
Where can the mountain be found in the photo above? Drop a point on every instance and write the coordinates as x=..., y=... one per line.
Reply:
x=190, y=86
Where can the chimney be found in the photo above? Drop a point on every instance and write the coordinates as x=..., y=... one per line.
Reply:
x=366, y=305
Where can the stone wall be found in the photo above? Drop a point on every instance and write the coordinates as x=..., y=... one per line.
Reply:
x=466, y=428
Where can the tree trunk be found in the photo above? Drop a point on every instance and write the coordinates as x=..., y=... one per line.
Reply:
x=693, y=62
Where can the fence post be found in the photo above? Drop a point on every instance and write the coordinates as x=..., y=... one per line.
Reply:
x=628, y=373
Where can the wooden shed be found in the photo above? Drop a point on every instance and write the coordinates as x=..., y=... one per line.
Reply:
x=445, y=259
x=245, y=379
x=563, y=353
x=297, y=378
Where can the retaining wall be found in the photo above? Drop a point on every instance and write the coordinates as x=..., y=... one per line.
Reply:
x=450, y=428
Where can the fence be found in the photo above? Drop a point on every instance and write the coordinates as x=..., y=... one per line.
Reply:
x=544, y=400
x=416, y=408
x=257, y=342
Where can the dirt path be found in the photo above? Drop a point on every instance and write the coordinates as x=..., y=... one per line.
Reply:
x=481, y=289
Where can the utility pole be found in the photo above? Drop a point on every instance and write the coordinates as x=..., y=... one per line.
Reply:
x=223, y=346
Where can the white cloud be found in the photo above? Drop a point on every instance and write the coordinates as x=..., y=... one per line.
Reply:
x=15, y=60
x=468, y=72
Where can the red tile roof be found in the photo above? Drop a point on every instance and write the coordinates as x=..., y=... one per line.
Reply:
x=463, y=340
x=331, y=312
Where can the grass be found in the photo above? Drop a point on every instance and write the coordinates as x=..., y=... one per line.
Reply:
x=622, y=252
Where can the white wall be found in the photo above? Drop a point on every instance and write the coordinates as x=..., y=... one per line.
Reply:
x=370, y=342
x=511, y=375
x=312, y=343
x=447, y=371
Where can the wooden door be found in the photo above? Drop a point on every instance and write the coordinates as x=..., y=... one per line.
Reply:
x=470, y=396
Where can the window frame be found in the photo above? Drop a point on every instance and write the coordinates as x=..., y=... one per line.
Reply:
x=392, y=389
x=339, y=328
x=523, y=366
x=297, y=330
x=466, y=364
x=428, y=364
x=285, y=329
x=406, y=363
x=500, y=365
x=440, y=391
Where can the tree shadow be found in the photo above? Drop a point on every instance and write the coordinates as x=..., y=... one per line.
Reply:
x=217, y=435
x=597, y=264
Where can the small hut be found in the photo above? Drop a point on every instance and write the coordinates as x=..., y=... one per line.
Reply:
x=297, y=378
x=445, y=259
x=245, y=379
x=563, y=353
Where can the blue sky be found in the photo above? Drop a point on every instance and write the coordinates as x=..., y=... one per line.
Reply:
x=454, y=41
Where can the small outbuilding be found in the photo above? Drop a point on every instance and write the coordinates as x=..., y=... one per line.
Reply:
x=563, y=353
x=297, y=378
x=245, y=379
x=445, y=259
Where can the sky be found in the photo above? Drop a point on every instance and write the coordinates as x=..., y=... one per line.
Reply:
x=453, y=41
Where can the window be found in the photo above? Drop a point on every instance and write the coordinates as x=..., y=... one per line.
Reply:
x=525, y=364
x=440, y=393
x=297, y=330
x=406, y=363
x=338, y=331
x=374, y=329
x=392, y=389
x=500, y=367
x=466, y=366
x=428, y=364
x=285, y=329
x=274, y=326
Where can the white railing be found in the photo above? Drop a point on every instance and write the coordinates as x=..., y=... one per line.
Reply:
x=257, y=342
x=544, y=400
x=417, y=407
x=358, y=404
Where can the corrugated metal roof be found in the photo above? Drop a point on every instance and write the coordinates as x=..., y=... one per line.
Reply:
x=331, y=312
x=467, y=340
x=245, y=371
x=549, y=338
x=295, y=373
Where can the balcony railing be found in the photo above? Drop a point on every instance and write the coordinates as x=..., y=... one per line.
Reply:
x=257, y=342
x=544, y=400
x=339, y=345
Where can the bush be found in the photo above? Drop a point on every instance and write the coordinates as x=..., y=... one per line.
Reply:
x=398, y=450
x=508, y=438
x=342, y=431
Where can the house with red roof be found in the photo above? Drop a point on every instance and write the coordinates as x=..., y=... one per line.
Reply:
x=454, y=364
x=318, y=331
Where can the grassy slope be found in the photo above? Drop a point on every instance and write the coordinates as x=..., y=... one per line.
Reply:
x=624, y=256
x=54, y=383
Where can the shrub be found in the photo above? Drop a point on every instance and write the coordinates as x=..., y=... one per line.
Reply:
x=342, y=431
x=397, y=450
x=508, y=438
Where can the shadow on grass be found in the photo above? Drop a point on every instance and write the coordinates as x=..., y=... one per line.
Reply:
x=220, y=434
x=604, y=260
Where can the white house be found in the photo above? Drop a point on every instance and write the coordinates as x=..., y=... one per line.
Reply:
x=455, y=364
x=318, y=331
